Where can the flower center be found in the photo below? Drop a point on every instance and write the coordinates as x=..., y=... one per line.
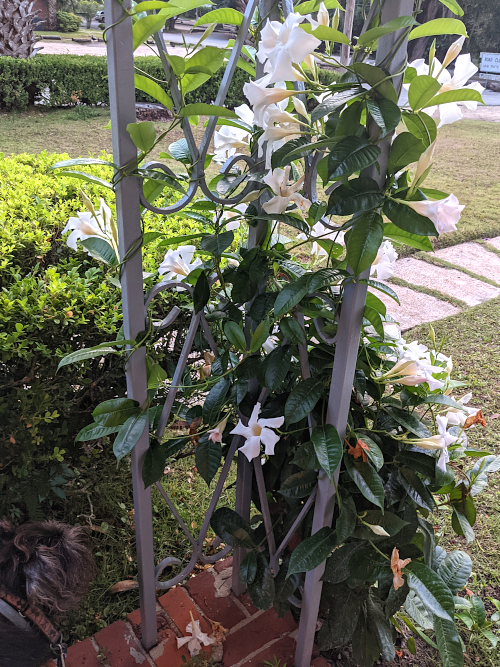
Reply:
x=256, y=429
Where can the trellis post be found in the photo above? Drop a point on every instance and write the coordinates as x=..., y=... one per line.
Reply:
x=128, y=216
x=344, y=365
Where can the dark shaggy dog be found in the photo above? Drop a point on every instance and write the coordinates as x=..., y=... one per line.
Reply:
x=49, y=565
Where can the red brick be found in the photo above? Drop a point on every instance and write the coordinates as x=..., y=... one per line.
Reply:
x=255, y=634
x=221, y=565
x=246, y=601
x=120, y=645
x=82, y=654
x=162, y=625
x=320, y=662
x=166, y=654
x=179, y=607
x=223, y=610
x=284, y=650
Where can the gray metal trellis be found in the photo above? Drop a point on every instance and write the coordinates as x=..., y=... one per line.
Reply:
x=128, y=204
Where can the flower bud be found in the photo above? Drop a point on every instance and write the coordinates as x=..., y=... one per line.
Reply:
x=310, y=62
x=424, y=162
x=323, y=17
x=300, y=107
x=336, y=19
x=453, y=51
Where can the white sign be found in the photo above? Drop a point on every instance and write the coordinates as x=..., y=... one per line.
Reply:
x=490, y=62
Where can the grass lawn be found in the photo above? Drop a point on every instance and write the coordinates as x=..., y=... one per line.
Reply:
x=67, y=36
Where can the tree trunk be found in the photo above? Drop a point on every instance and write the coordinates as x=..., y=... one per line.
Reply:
x=348, y=21
x=89, y=22
x=433, y=9
x=16, y=29
x=52, y=15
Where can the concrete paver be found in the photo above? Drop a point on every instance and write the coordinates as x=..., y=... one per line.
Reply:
x=447, y=281
x=474, y=257
x=494, y=242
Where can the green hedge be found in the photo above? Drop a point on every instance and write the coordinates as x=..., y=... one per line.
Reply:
x=67, y=79
x=53, y=301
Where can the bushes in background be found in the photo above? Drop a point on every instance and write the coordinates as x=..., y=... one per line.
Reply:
x=59, y=80
x=68, y=22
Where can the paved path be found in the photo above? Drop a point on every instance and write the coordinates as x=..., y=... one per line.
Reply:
x=432, y=292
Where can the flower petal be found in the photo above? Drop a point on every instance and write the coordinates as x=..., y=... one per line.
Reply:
x=251, y=448
x=269, y=439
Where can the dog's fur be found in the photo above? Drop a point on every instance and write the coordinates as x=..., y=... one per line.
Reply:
x=50, y=565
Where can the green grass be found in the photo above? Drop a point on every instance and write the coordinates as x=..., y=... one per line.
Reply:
x=82, y=32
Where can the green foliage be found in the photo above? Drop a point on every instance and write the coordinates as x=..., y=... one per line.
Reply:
x=67, y=22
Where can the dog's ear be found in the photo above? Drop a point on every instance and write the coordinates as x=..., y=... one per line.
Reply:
x=58, y=565
x=11, y=574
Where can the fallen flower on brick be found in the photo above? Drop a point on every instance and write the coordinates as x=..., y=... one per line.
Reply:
x=197, y=639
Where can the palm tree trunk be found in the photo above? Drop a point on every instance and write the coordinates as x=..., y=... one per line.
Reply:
x=52, y=15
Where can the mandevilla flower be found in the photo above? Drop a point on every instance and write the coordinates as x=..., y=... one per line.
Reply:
x=444, y=213
x=258, y=432
x=227, y=215
x=229, y=139
x=384, y=263
x=179, y=263
x=197, y=639
x=277, y=180
x=215, y=434
x=318, y=230
x=90, y=224
x=261, y=97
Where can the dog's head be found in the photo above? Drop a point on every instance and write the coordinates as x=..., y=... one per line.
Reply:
x=47, y=563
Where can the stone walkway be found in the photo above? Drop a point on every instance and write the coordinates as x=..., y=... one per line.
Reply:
x=430, y=292
x=253, y=636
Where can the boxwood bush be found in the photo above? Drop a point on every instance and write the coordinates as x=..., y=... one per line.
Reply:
x=51, y=301
x=58, y=80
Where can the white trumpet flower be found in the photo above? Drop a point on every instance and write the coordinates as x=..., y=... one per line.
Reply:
x=177, y=264
x=444, y=213
x=277, y=180
x=385, y=262
x=90, y=224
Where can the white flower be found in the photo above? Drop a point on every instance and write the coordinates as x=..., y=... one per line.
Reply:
x=179, y=263
x=448, y=439
x=215, y=434
x=457, y=417
x=229, y=139
x=319, y=230
x=277, y=180
x=258, y=432
x=227, y=215
x=261, y=97
x=283, y=44
x=384, y=263
x=323, y=18
x=89, y=224
x=414, y=366
x=270, y=344
x=194, y=643
x=378, y=530
x=444, y=213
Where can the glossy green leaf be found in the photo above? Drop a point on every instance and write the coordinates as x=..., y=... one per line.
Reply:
x=460, y=95
x=234, y=334
x=260, y=335
x=421, y=90
x=276, y=366
x=299, y=485
x=416, y=489
x=224, y=15
x=208, y=456
x=147, y=26
x=366, y=564
x=406, y=238
x=374, y=319
x=331, y=104
x=381, y=627
x=360, y=194
x=455, y=570
x=154, y=464
x=153, y=89
x=291, y=295
x=292, y=330
x=346, y=522
x=248, y=568
x=313, y=6
x=302, y=400
x=129, y=434
x=374, y=302
x=94, y=431
x=84, y=353
x=405, y=149
x=422, y=126
x=438, y=27
x=431, y=589
x=351, y=154
x=201, y=292
x=215, y=400
x=382, y=287
x=143, y=134
x=410, y=422
x=367, y=480
x=385, y=113
x=328, y=448
x=217, y=243
x=115, y=411
x=101, y=250
x=391, y=26
x=453, y=6
x=246, y=66
x=364, y=240
x=283, y=151
x=337, y=565
x=89, y=178
x=312, y=551
x=408, y=220
x=448, y=642
x=202, y=109
x=305, y=457
x=261, y=589
x=345, y=608
x=231, y=528
x=325, y=33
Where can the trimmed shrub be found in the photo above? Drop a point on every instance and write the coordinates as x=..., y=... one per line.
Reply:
x=68, y=22
x=58, y=80
x=53, y=300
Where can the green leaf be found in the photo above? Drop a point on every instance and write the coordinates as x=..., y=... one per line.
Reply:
x=276, y=366
x=408, y=220
x=291, y=295
x=366, y=564
x=312, y=551
x=448, y=642
x=333, y=103
x=325, y=33
x=129, y=434
x=337, y=566
x=261, y=589
x=490, y=636
x=101, y=250
x=406, y=238
x=422, y=88
x=260, y=335
x=453, y=6
x=225, y=15
x=305, y=457
x=328, y=448
x=147, y=26
x=115, y=411
x=422, y=126
x=391, y=522
x=175, y=240
x=411, y=646
x=406, y=148
x=154, y=464
x=283, y=151
x=202, y=109
x=313, y=5
x=217, y=243
x=81, y=161
x=208, y=59
x=455, y=570
x=381, y=627
x=410, y=422
x=292, y=330
x=90, y=178
x=85, y=353
x=416, y=489
x=94, y=431
x=234, y=334
x=385, y=113
x=201, y=292
x=208, y=456
x=346, y=523
x=231, y=528
x=345, y=609
x=359, y=194
x=367, y=480
x=349, y=155
x=246, y=66
x=460, y=95
x=375, y=320
x=302, y=400
x=248, y=568
x=364, y=240
x=431, y=589
x=374, y=302
x=375, y=77
x=153, y=89
x=299, y=485
x=215, y=400
x=396, y=24
x=462, y=525
x=438, y=27
x=382, y=287
x=142, y=134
